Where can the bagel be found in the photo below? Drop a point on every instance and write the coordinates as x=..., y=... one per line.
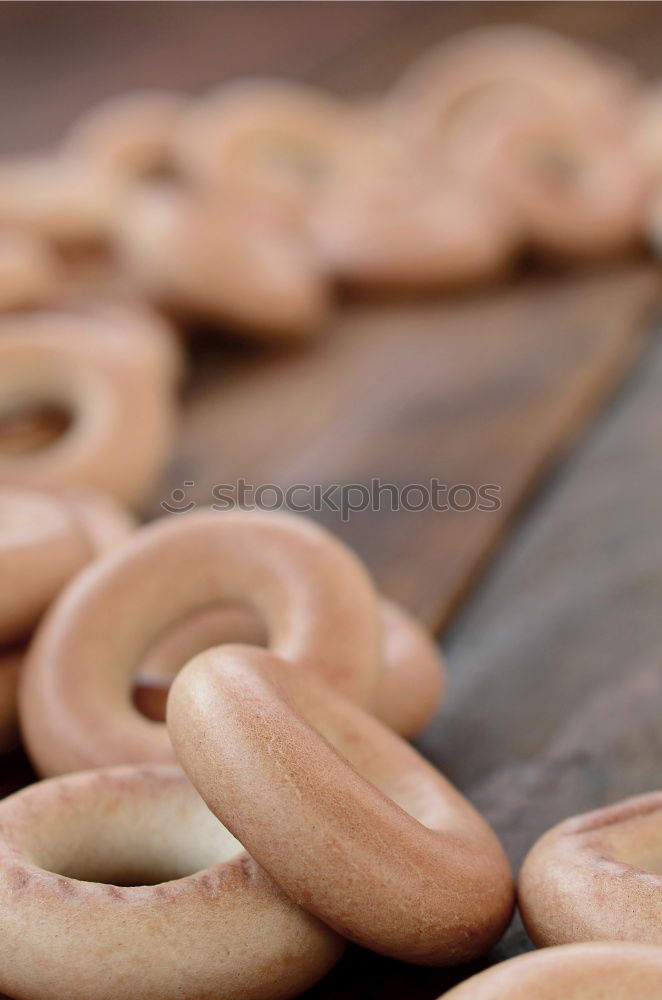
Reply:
x=355, y=826
x=406, y=236
x=102, y=368
x=597, y=877
x=120, y=885
x=28, y=271
x=272, y=139
x=218, y=259
x=575, y=195
x=45, y=538
x=317, y=602
x=131, y=133
x=411, y=677
x=615, y=971
x=59, y=197
x=529, y=65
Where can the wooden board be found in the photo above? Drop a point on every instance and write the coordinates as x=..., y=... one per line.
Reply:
x=555, y=694
x=486, y=389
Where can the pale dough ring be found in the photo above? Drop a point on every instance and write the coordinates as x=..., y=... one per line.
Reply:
x=317, y=601
x=597, y=877
x=119, y=884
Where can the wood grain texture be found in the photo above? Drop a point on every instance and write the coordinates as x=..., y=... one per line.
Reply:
x=555, y=692
x=485, y=389
x=565, y=620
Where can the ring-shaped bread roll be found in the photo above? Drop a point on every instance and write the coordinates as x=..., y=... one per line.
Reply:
x=597, y=877
x=404, y=236
x=132, y=133
x=411, y=676
x=127, y=320
x=103, y=370
x=575, y=195
x=355, y=826
x=523, y=63
x=316, y=600
x=615, y=971
x=45, y=538
x=219, y=259
x=284, y=141
x=27, y=269
x=119, y=884
x=61, y=198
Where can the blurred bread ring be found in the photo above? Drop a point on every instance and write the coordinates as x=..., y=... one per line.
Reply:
x=112, y=372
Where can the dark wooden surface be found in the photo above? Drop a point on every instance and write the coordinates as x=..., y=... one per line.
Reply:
x=555, y=691
x=487, y=389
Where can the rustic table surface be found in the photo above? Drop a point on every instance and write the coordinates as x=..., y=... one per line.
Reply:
x=547, y=387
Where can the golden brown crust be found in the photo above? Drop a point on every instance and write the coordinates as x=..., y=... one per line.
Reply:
x=597, y=877
x=266, y=138
x=61, y=198
x=355, y=826
x=408, y=233
x=220, y=258
x=316, y=600
x=132, y=133
x=525, y=62
x=537, y=122
x=104, y=368
x=45, y=538
x=120, y=885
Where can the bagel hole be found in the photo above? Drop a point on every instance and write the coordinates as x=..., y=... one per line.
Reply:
x=139, y=838
x=637, y=842
x=646, y=857
x=31, y=428
x=213, y=625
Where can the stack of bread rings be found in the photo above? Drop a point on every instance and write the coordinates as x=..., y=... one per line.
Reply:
x=234, y=851
x=244, y=209
x=110, y=370
x=217, y=705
